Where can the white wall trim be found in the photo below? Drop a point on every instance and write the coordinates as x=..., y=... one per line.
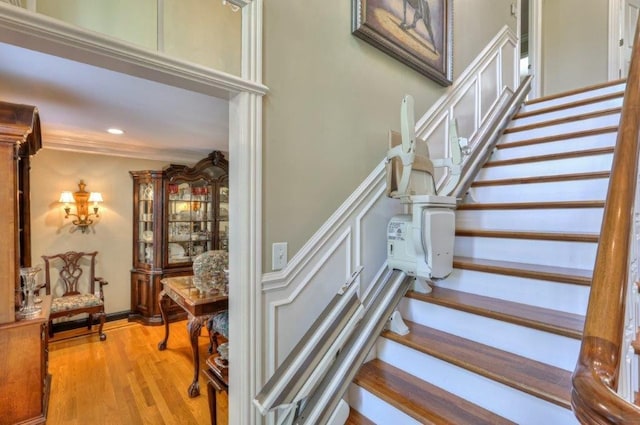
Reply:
x=245, y=211
x=615, y=35
x=535, y=48
x=41, y=33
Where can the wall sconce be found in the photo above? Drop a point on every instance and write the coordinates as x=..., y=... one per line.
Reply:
x=81, y=198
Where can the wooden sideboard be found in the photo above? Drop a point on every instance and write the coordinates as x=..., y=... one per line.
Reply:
x=24, y=357
x=24, y=380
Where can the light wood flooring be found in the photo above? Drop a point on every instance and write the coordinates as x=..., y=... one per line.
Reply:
x=125, y=380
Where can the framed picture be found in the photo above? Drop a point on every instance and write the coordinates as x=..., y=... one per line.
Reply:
x=419, y=33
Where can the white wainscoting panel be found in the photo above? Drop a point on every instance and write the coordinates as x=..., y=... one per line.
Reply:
x=354, y=236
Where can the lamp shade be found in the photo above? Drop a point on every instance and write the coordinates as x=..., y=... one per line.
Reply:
x=95, y=197
x=66, y=197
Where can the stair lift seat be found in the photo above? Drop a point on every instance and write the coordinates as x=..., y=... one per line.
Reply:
x=421, y=243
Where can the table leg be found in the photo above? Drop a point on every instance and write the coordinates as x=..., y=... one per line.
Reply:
x=163, y=302
x=193, y=327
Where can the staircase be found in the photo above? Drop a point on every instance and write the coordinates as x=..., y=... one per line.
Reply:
x=496, y=342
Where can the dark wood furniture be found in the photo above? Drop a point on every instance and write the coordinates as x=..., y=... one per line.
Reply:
x=217, y=391
x=178, y=213
x=198, y=306
x=25, y=382
x=71, y=279
x=24, y=378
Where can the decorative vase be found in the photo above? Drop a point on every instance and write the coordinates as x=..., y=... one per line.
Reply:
x=29, y=308
x=208, y=271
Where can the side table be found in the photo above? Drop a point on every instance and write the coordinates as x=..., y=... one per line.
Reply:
x=217, y=390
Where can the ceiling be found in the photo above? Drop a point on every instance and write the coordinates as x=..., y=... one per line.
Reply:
x=77, y=102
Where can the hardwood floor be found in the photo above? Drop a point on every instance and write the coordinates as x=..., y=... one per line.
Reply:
x=125, y=380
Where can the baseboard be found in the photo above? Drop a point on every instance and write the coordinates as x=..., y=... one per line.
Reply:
x=81, y=323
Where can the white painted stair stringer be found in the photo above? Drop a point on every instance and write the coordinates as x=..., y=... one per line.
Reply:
x=545, y=347
x=508, y=402
x=567, y=297
x=563, y=100
x=571, y=220
x=568, y=145
x=580, y=255
x=608, y=120
x=569, y=112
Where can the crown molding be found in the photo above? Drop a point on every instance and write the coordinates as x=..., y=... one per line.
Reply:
x=240, y=3
x=38, y=32
x=69, y=143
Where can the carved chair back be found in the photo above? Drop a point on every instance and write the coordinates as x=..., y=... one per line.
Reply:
x=74, y=273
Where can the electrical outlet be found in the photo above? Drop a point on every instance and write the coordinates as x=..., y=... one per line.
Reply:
x=279, y=256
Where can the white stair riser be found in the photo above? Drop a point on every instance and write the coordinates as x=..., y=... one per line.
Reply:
x=505, y=401
x=579, y=255
x=569, y=145
x=581, y=164
x=569, y=127
x=581, y=220
x=571, y=190
x=375, y=409
x=573, y=98
x=567, y=297
x=545, y=347
x=570, y=112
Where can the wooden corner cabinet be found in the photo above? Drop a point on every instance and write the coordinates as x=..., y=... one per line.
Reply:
x=178, y=213
x=24, y=377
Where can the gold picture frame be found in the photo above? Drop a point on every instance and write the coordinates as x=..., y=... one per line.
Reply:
x=419, y=33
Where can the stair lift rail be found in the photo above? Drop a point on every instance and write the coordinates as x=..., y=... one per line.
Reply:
x=308, y=386
x=486, y=138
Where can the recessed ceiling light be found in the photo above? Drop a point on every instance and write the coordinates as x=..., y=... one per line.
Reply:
x=115, y=131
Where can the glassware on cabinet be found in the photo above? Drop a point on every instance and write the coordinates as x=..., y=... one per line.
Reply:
x=30, y=307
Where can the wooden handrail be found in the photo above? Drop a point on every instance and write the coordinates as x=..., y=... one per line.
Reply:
x=595, y=377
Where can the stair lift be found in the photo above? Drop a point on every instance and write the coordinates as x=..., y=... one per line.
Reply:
x=421, y=243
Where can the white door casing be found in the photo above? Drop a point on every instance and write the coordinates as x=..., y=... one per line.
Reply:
x=623, y=15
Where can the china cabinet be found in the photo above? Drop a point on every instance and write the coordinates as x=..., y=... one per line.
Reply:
x=24, y=386
x=178, y=213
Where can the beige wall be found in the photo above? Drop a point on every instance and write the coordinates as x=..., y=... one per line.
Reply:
x=332, y=100
x=574, y=44
x=200, y=31
x=55, y=171
x=204, y=32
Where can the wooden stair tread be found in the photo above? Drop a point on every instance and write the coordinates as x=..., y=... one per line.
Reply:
x=536, y=378
x=530, y=205
x=531, y=271
x=569, y=105
x=422, y=401
x=546, y=236
x=564, y=120
x=357, y=418
x=550, y=157
x=575, y=91
x=557, y=137
x=543, y=179
x=554, y=321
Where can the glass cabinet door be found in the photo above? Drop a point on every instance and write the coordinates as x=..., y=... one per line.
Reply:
x=190, y=220
x=223, y=217
x=146, y=234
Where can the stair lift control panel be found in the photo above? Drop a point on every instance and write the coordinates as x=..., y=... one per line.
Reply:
x=421, y=243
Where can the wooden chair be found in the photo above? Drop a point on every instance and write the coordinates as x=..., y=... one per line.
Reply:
x=70, y=279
